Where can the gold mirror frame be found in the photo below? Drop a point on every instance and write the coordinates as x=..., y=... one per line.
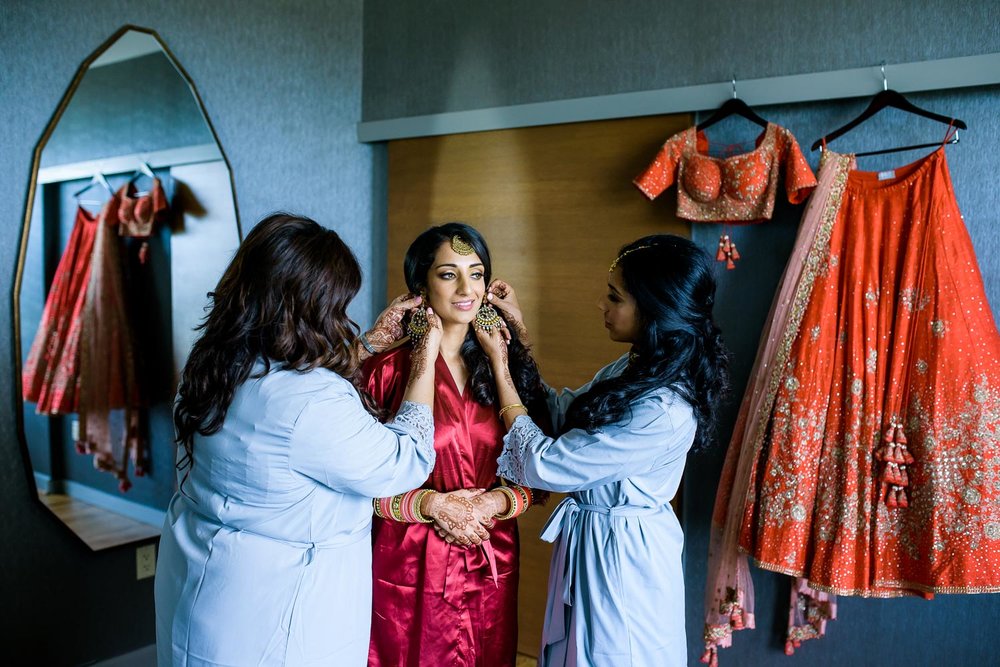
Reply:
x=29, y=206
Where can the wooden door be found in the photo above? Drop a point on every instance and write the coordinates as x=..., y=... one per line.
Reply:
x=555, y=203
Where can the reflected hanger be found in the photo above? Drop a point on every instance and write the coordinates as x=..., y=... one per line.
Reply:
x=97, y=179
x=891, y=98
x=142, y=170
x=733, y=105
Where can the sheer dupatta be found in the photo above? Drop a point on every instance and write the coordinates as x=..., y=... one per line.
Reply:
x=729, y=597
x=108, y=374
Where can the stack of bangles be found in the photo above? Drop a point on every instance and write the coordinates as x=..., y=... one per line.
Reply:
x=405, y=507
x=520, y=500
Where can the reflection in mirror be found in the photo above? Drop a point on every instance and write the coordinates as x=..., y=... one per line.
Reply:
x=130, y=223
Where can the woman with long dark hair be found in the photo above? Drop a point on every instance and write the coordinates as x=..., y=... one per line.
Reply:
x=445, y=560
x=265, y=557
x=616, y=587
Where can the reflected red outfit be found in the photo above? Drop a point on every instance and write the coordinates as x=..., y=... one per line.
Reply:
x=50, y=376
x=435, y=603
x=83, y=359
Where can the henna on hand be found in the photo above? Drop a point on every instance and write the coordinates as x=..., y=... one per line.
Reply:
x=458, y=516
x=501, y=295
x=388, y=327
x=418, y=364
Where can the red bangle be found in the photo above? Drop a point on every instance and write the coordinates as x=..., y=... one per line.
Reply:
x=404, y=507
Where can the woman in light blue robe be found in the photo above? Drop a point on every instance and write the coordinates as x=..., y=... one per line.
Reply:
x=265, y=557
x=616, y=584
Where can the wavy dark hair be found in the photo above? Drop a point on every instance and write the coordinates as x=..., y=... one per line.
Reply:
x=679, y=345
x=283, y=299
x=523, y=369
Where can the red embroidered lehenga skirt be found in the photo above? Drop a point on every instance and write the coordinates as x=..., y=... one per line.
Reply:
x=50, y=376
x=866, y=457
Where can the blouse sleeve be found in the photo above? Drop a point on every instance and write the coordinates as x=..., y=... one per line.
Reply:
x=662, y=171
x=337, y=443
x=659, y=430
x=799, y=177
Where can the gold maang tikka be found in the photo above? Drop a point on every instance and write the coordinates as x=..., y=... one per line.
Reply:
x=627, y=252
x=459, y=245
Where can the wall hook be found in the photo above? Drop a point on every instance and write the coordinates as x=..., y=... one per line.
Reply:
x=734, y=86
x=885, y=82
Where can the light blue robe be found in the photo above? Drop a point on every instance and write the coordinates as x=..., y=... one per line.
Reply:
x=616, y=585
x=265, y=557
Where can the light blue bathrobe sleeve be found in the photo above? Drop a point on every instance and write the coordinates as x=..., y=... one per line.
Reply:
x=362, y=456
x=616, y=585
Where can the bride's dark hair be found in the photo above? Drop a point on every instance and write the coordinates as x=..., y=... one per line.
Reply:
x=679, y=346
x=416, y=265
x=283, y=299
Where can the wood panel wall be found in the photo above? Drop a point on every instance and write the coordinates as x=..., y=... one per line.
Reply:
x=554, y=204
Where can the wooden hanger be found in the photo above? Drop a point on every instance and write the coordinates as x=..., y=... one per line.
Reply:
x=734, y=105
x=891, y=98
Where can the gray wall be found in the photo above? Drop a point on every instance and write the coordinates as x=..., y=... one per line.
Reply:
x=435, y=56
x=281, y=82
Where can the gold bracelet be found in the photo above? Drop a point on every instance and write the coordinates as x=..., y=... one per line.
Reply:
x=416, y=506
x=510, y=407
x=507, y=491
x=395, y=509
x=377, y=507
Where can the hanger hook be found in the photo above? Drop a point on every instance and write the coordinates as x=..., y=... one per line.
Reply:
x=885, y=82
x=734, y=86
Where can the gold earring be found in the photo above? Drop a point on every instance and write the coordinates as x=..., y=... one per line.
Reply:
x=487, y=318
x=418, y=325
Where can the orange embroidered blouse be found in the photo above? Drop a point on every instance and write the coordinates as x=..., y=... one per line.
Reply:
x=736, y=189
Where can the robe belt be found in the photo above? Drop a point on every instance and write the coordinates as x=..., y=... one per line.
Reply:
x=460, y=561
x=563, y=525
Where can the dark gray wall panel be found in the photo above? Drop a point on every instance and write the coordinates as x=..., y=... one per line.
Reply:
x=281, y=82
x=435, y=56
x=868, y=632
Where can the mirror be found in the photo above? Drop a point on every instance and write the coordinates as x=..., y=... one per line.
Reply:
x=131, y=219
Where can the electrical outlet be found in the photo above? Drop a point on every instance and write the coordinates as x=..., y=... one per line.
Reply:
x=145, y=561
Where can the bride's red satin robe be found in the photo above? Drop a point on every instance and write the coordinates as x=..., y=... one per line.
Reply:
x=436, y=603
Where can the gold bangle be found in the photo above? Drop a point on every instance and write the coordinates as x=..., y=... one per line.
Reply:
x=377, y=507
x=396, y=507
x=417, y=500
x=507, y=491
x=510, y=407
